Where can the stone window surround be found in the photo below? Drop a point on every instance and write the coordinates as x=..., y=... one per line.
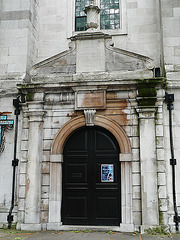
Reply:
x=56, y=160
x=123, y=20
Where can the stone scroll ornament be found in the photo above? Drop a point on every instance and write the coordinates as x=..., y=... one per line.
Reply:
x=5, y=125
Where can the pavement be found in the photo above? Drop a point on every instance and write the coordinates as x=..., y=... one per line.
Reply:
x=80, y=235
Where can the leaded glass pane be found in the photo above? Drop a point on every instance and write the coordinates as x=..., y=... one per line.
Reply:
x=80, y=16
x=109, y=15
x=109, y=11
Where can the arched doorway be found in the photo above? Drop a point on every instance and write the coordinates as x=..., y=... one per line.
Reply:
x=91, y=178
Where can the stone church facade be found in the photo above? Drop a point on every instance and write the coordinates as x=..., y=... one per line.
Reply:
x=92, y=98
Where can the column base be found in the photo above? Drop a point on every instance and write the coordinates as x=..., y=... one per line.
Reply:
x=144, y=228
x=54, y=226
x=124, y=227
x=31, y=227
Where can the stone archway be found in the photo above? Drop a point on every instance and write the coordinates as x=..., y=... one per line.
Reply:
x=102, y=121
x=56, y=159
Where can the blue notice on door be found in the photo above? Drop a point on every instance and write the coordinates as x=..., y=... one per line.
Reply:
x=107, y=173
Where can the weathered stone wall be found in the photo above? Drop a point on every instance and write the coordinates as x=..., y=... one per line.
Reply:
x=6, y=158
x=171, y=47
x=171, y=34
x=18, y=34
x=53, y=27
x=121, y=107
x=18, y=48
x=139, y=33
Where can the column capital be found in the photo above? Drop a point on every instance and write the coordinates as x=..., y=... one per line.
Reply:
x=35, y=111
x=146, y=113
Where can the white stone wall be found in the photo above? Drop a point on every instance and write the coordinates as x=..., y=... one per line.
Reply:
x=167, y=151
x=18, y=34
x=53, y=28
x=171, y=34
x=139, y=33
x=18, y=52
x=142, y=29
x=6, y=158
x=171, y=43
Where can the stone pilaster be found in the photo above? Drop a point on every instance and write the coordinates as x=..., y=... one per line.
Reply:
x=126, y=193
x=55, y=193
x=149, y=191
x=33, y=181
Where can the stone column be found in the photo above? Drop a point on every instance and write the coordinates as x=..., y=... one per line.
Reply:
x=33, y=179
x=149, y=191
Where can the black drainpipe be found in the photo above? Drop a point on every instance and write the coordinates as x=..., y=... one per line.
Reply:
x=169, y=98
x=16, y=104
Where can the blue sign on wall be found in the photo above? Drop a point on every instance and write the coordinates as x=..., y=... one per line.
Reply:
x=107, y=173
x=4, y=126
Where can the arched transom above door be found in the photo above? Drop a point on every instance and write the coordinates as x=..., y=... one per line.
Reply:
x=102, y=121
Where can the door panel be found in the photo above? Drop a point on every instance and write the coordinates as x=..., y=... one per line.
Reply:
x=77, y=173
x=91, y=178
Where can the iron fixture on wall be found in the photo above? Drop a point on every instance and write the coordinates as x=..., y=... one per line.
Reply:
x=169, y=98
x=16, y=104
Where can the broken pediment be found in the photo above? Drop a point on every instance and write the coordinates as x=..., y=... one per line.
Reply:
x=91, y=52
x=62, y=63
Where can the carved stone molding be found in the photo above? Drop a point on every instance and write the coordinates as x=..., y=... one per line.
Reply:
x=89, y=117
x=59, y=97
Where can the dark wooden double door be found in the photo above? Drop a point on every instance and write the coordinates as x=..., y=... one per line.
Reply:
x=91, y=178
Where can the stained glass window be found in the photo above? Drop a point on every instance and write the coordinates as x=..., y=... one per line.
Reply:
x=109, y=15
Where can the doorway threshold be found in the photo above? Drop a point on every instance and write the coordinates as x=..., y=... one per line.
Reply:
x=51, y=226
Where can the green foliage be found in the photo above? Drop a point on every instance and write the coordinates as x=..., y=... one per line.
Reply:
x=88, y=231
x=160, y=230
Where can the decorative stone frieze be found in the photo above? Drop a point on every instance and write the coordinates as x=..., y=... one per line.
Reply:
x=59, y=97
